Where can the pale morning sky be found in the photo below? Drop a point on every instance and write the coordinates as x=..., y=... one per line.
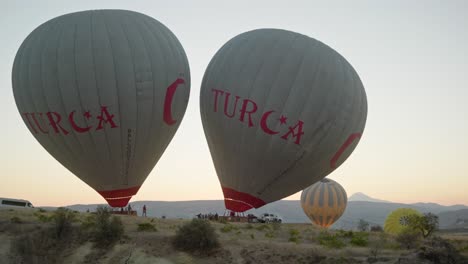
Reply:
x=412, y=57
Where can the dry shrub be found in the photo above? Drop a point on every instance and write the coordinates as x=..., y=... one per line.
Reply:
x=63, y=219
x=438, y=250
x=106, y=229
x=146, y=227
x=197, y=236
x=408, y=239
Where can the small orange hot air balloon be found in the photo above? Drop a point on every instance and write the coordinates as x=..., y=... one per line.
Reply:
x=324, y=202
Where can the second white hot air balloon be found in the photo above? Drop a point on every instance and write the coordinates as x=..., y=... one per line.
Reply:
x=280, y=111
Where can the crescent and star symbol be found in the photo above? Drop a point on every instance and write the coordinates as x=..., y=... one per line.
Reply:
x=167, y=116
x=264, y=126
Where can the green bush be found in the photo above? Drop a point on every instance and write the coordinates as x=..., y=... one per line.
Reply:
x=270, y=234
x=44, y=218
x=276, y=225
x=293, y=232
x=63, y=219
x=248, y=226
x=263, y=227
x=16, y=220
x=330, y=240
x=106, y=229
x=42, y=210
x=345, y=234
x=89, y=222
x=146, y=227
x=294, y=236
x=252, y=236
x=197, y=236
x=360, y=239
x=408, y=238
x=376, y=228
x=228, y=228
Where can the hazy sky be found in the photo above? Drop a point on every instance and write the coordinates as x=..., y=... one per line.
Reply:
x=412, y=57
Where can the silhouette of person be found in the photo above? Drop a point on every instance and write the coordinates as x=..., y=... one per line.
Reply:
x=144, y=210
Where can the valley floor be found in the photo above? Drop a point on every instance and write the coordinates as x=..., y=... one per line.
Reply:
x=24, y=239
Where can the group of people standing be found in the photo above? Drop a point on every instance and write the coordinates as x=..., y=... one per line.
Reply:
x=209, y=216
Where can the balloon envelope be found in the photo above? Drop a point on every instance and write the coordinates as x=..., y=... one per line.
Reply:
x=324, y=202
x=397, y=220
x=280, y=111
x=103, y=92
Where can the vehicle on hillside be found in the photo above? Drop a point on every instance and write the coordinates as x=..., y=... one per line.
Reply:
x=9, y=202
x=269, y=218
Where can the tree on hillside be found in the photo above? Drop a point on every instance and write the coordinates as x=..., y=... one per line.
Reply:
x=363, y=225
x=425, y=224
x=376, y=228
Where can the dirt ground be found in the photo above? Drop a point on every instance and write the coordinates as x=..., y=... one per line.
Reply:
x=241, y=243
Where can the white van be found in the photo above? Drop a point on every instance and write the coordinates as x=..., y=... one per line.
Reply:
x=8, y=202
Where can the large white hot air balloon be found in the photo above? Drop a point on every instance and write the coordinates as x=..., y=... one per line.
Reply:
x=280, y=111
x=104, y=92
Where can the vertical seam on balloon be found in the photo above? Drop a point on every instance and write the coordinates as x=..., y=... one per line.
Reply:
x=250, y=90
x=344, y=131
x=122, y=157
x=304, y=150
x=16, y=72
x=154, y=90
x=98, y=86
x=156, y=144
x=28, y=94
x=281, y=65
x=168, y=38
x=63, y=141
x=331, y=198
x=122, y=25
x=153, y=142
x=91, y=33
x=362, y=102
x=140, y=26
x=64, y=108
x=339, y=195
x=326, y=102
x=321, y=195
x=86, y=157
x=295, y=161
x=226, y=65
x=64, y=150
x=225, y=50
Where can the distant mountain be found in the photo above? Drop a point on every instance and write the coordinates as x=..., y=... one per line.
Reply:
x=359, y=196
x=372, y=211
x=454, y=219
x=437, y=208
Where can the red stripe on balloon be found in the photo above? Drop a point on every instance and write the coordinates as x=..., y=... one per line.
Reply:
x=119, y=198
x=236, y=206
x=245, y=200
x=343, y=147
